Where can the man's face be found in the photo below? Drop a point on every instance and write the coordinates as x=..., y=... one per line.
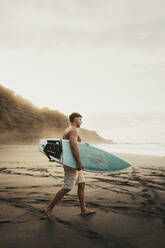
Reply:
x=78, y=121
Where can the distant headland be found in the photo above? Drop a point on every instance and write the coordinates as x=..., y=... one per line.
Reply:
x=21, y=122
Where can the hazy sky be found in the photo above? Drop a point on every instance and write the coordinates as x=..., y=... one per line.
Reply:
x=102, y=58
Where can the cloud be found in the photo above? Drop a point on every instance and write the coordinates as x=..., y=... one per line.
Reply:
x=108, y=55
x=129, y=127
x=48, y=24
x=127, y=119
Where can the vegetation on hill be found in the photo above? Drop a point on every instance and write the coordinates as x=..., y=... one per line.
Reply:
x=22, y=122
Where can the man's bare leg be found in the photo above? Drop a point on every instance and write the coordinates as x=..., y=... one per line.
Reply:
x=59, y=195
x=81, y=195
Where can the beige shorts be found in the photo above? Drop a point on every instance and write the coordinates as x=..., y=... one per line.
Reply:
x=72, y=177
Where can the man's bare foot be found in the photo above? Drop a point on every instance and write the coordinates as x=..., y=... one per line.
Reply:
x=49, y=214
x=87, y=211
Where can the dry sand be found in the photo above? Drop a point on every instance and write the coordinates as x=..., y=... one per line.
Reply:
x=130, y=204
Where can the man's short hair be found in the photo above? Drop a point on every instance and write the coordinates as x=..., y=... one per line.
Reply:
x=74, y=115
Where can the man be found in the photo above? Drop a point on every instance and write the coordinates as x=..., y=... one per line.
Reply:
x=72, y=176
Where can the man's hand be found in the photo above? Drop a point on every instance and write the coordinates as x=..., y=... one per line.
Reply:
x=80, y=166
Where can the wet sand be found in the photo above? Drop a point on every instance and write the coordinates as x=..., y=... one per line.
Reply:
x=130, y=204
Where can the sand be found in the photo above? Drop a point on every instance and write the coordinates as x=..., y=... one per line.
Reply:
x=130, y=204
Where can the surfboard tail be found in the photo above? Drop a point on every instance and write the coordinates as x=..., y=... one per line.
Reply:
x=52, y=149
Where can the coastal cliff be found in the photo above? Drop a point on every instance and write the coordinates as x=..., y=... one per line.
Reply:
x=21, y=122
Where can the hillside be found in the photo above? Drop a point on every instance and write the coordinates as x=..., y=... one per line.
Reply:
x=23, y=123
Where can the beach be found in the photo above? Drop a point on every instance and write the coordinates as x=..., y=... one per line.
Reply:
x=130, y=204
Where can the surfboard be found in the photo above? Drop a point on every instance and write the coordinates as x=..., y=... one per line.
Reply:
x=92, y=158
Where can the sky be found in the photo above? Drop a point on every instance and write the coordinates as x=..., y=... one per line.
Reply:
x=102, y=58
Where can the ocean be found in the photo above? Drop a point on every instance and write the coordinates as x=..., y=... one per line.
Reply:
x=143, y=149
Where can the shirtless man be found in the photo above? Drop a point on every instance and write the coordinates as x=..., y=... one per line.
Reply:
x=72, y=176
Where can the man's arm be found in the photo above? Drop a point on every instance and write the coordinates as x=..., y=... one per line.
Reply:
x=75, y=149
x=79, y=139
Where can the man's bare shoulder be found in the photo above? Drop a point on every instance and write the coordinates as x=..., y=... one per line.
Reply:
x=73, y=131
x=70, y=131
